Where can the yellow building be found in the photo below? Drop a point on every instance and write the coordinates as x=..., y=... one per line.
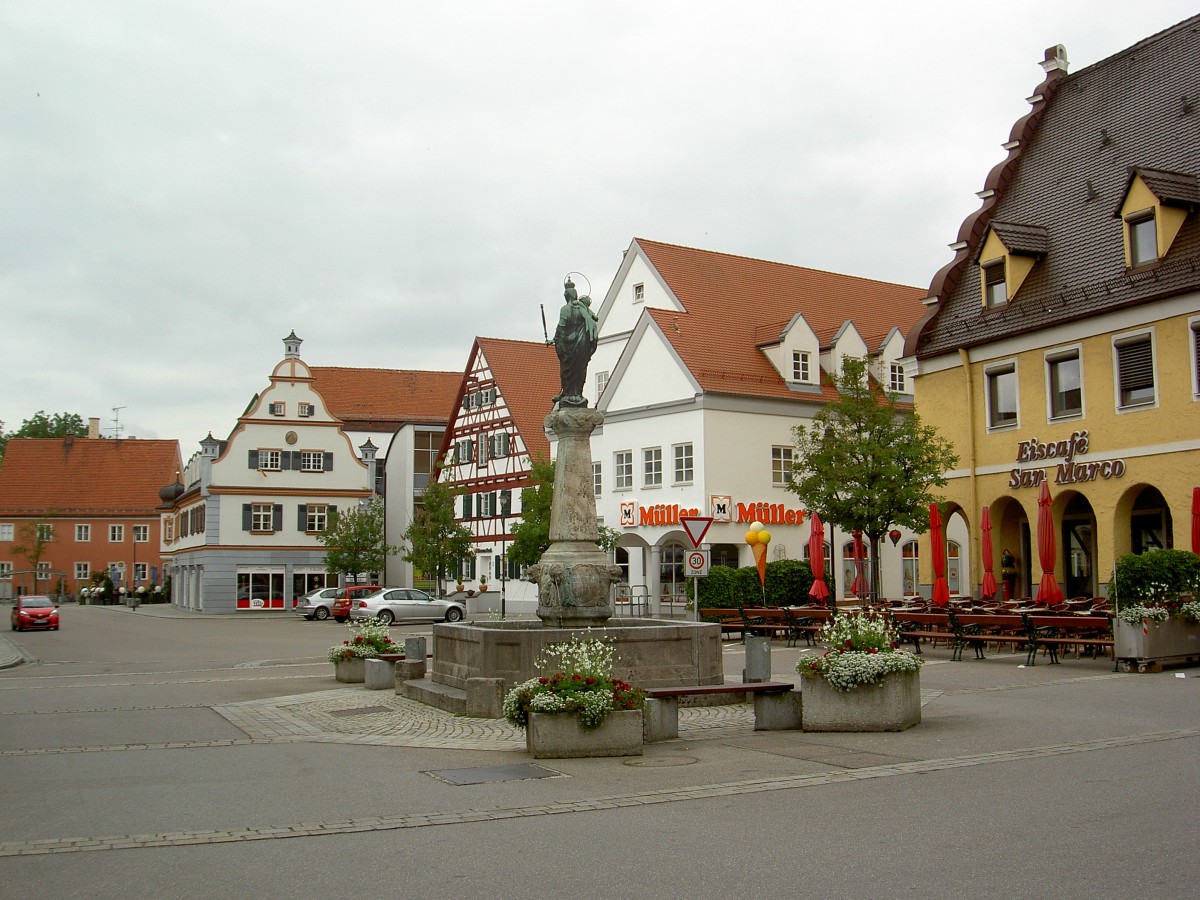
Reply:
x=1062, y=343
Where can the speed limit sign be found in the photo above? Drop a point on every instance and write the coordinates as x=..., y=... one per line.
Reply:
x=697, y=563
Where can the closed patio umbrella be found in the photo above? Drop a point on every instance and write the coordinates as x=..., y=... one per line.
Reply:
x=987, y=588
x=816, y=559
x=941, y=590
x=859, y=586
x=1196, y=520
x=1049, y=592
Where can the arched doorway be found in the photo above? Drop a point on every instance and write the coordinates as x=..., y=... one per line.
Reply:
x=1150, y=525
x=1079, y=547
x=672, y=587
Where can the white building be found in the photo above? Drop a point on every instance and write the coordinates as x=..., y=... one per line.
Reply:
x=706, y=362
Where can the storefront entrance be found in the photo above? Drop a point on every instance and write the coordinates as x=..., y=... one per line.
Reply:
x=1079, y=548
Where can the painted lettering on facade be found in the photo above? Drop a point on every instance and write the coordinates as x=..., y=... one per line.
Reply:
x=769, y=514
x=664, y=514
x=1067, y=472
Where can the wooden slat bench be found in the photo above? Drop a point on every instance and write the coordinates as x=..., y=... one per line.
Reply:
x=730, y=619
x=776, y=707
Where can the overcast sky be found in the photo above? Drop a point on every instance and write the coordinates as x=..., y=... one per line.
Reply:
x=183, y=183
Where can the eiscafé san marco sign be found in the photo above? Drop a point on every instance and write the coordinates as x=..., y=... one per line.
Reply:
x=1069, y=470
x=721, y=509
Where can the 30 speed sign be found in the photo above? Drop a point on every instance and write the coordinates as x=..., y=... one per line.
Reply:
x=696, y=563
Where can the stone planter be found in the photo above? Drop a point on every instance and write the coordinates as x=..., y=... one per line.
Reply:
x=893, y=704
x=1163, y=642
x=350, y=671
x=560, y=736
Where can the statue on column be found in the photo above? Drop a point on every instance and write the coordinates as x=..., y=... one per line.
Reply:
x=574, y=342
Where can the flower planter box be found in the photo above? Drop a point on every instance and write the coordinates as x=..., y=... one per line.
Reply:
x=1164, y=642
x=892, y=704
x=350, y=671
x=560, y=736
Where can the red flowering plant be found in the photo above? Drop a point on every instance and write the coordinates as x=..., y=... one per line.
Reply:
x=862, y=650
x=369, y=638
x=581, y=683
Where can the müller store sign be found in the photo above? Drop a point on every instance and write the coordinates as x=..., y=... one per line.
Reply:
x=721, y=508
x=1069, y=470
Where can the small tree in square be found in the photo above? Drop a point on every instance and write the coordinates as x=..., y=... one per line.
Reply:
x=354, y=540
x=437, y=541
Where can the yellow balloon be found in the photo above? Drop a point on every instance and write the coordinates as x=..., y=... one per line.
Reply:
x=752, y=537
x=764, y=537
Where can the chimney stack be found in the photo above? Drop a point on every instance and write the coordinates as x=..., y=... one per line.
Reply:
x=93, y=428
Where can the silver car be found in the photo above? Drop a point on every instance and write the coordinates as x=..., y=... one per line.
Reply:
x=317, y=604
x=406, y=605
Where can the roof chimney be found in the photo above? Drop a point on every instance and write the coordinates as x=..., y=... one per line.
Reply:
x=93, y=428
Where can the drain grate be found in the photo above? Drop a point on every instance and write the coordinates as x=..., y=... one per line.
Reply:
x=360, y=711
x=489, y=774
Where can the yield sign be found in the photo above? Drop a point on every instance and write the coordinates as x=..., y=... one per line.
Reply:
x=696, y=527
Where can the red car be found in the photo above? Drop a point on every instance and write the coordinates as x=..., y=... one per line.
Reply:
x=346, y=597
x=34, y=612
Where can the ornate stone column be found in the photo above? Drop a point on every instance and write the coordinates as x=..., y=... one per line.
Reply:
x=574, y=574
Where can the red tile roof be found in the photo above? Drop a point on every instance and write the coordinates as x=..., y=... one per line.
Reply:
x=526, y=373
x=733, y=304
x=387, y=396
x=79, y=476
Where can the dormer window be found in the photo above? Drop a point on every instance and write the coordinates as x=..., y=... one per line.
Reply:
x=801, y=365
x=1008, y=255
x=1154, y=208
x=639, y=292
x=896, y=381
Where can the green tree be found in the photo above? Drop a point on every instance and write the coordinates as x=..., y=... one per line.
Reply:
x=41, y=425
x=531, y=536
x=866, y=464
x=354, y=540
x=33, y=538
x=436, y=540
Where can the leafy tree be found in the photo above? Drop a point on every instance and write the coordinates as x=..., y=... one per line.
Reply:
x=438, y=542
x=354, y=540
x=866, y=465
x=33, y=537
x=1159, y=577
x=531, y=536
x=41, y=425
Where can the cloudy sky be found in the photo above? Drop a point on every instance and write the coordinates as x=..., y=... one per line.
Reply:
x=186, y=181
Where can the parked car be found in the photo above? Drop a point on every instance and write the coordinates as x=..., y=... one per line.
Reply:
x=34, y=611
x=407, y=605
x=346, y=597
x=318, y=604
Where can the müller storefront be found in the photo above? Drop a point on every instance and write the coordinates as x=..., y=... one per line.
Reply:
x=653, y=547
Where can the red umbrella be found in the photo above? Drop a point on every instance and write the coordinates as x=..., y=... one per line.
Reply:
x=1196, y=520
x=987, y=589
x=1049, y=592
x=941, y=590
x=816, y=559
x=859, y=586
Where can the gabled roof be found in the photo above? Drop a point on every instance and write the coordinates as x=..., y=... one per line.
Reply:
x=1068, y=168
x=1172, y=188
x=387, y=397
x=1031, y=240
x=81, y=476
x=526, y=373
x=734, y=304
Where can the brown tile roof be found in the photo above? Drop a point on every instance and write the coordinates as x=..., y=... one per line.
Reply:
x=81, y=476
x=388, y=397
x=526, y=373
x=1067, y=171
x=733, y=304
x=1031, y=240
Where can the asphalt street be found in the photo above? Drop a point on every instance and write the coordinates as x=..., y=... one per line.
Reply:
x=154, y=753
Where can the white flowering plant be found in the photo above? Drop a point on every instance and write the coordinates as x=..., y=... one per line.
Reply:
x=1135, y=615
x=862, y=651
x=369, y=638
x=1190, y=612
x=581, y=683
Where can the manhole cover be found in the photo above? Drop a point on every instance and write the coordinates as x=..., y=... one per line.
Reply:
x=359, y=711
x=489, y=774
x=661, y=762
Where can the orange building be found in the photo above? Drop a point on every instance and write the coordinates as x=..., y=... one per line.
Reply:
x=71, y=507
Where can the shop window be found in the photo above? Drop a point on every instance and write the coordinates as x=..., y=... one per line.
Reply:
x=1135, y=371
x=1065, y=384
x=1002, y=396
x=781, y=466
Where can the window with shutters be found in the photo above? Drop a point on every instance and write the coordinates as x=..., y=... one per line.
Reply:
x=305, y=410
x=487, y=504
x=1135, y=370
x=269, y=460
x=501, y=444
x=262, y=517
x=316, y=517
x=312, y=461
x=278, y=409
x=464, y=451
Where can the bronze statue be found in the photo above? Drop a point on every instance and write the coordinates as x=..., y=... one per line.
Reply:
x=574, y=342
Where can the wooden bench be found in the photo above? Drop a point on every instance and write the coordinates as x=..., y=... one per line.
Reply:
x=776, y=707
x=729, y=619
x=930, y=626
x=1049, y=632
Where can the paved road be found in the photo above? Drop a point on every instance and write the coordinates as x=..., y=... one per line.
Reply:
x=154, y=754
